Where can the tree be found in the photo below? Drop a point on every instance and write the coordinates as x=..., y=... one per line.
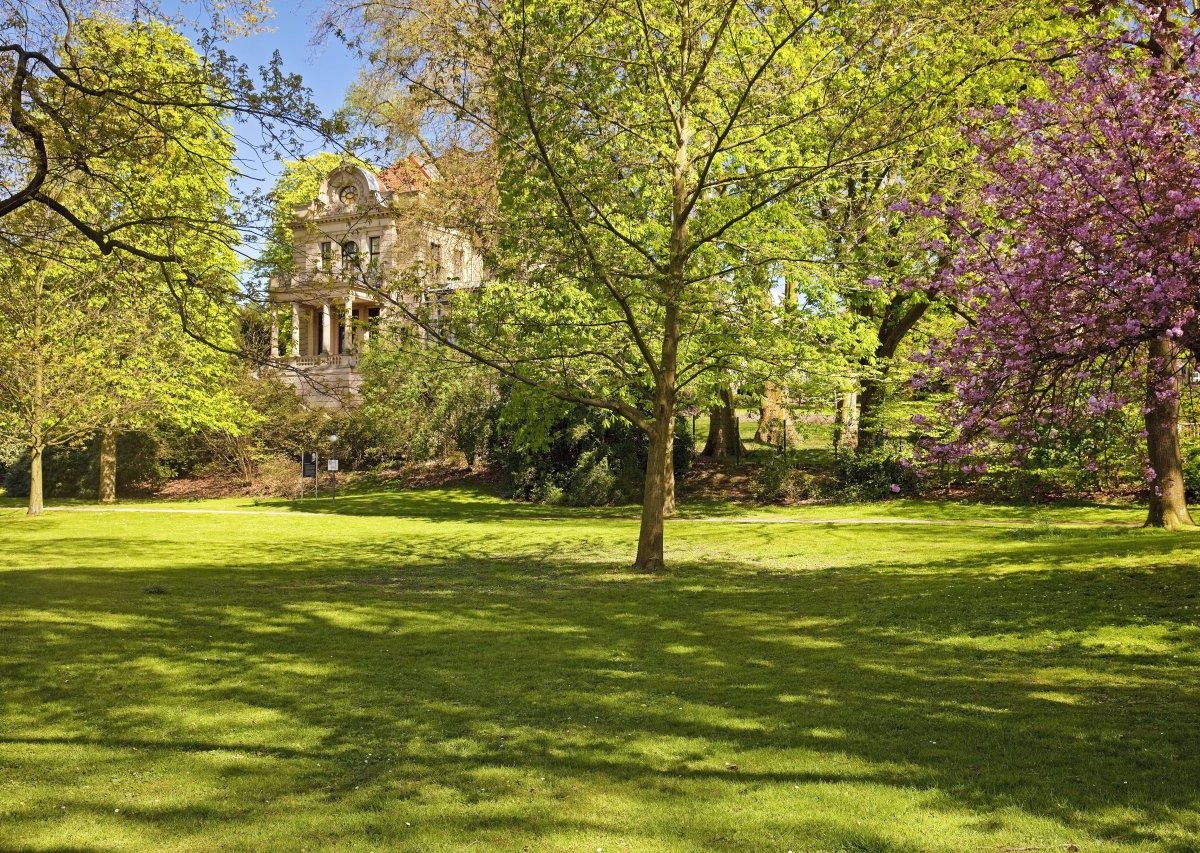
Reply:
x=871, y=250
x=87, y=96
x=54, y=342
x=1083, y=271
x=644, y=154
x=724, y=436
x=88, y=342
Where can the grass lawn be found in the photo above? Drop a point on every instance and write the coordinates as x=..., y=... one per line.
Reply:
x=442, y=670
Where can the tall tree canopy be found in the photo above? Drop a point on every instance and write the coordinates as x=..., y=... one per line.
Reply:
x=1082, y=273
x=85, y=101
x=86, y=339
x=647, y=154
x=870, y=249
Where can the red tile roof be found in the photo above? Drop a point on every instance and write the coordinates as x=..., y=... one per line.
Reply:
x=405, y=176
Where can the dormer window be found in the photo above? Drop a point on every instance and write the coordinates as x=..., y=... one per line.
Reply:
x=348, y=194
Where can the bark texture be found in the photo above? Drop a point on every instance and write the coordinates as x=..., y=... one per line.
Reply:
x=650, y=535
x=1168, y=503
x=775, y=423
x=36, y=502
x=723, y=438
x=108, y=465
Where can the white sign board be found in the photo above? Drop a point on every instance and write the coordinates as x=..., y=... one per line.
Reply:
x=332, y=464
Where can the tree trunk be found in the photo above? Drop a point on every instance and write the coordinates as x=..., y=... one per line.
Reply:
x=898, y=320
x=1168, y=504
x=659, y=461
x=36, y=502
x=723, y=438
x=669, y=481
x=775, y=424
x=108, y=465
x=839, y=423
x=871, y=398
x=650, y=536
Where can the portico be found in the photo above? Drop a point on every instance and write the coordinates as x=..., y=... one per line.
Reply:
x=322, y=329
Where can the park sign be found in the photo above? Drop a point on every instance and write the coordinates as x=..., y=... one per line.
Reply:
x=331, y=465
x=308, y=465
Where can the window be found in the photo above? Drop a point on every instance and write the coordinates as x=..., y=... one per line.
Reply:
x=435, y=261
x=373, y=249
x=349, y=252
x=456, y=267
x=326, y=255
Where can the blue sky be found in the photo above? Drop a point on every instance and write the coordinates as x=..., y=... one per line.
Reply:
x=328, y=70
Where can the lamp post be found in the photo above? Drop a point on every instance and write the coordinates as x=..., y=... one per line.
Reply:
x=333, y=462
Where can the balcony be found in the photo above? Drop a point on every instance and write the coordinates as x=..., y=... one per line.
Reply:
x=324, y=381
x=323, y=360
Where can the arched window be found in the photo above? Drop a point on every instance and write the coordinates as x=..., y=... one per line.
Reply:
x=349, y=252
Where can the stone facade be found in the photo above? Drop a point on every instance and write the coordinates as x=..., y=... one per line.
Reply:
x=352, y=244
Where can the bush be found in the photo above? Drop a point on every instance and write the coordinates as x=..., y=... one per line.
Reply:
x=779, y=481
x=421, y=404
x=1191, y=472
x=1028, y=485
x=592, y=481
x=872, y=476
x=74, y=472
x=552, y=452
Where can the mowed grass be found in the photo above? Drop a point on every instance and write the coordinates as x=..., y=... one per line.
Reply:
x=441, y=670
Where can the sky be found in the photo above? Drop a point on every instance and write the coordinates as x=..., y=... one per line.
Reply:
x=328, y=70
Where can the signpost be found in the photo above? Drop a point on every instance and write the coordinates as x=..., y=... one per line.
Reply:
x=332, y=466
x=308, y=469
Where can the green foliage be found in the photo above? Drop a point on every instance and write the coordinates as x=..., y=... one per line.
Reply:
x=778, y=480
x=89, y=340
x=423, y=402
x=272, y=422
x=1191, y=470
x=74, y=472
x=554, y=452
x=877, y=475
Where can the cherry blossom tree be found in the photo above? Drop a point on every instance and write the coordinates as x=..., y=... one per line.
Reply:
x=1080, y=273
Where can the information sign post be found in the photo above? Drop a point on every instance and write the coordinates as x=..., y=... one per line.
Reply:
x=308, y=470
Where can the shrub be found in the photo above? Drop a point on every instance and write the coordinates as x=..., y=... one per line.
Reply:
x=592, y=482
x=1191, y=471
x=872, y=476
x=779, y=481
x=420, y=403
x=551, y=452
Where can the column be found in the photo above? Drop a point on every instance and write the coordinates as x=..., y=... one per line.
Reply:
x=326, y=328
x=366, y=327
x=274, y=332
x=295, y=328
x=349, y=320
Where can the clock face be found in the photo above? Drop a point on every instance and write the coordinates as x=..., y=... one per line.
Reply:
x=348, y=194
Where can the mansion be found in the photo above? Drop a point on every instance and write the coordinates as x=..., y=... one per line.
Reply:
x=350, y=245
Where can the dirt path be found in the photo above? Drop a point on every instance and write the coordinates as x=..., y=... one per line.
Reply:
x=845, y=521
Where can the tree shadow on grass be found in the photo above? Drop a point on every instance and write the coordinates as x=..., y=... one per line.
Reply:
x=462, y=503
x=358, y=681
